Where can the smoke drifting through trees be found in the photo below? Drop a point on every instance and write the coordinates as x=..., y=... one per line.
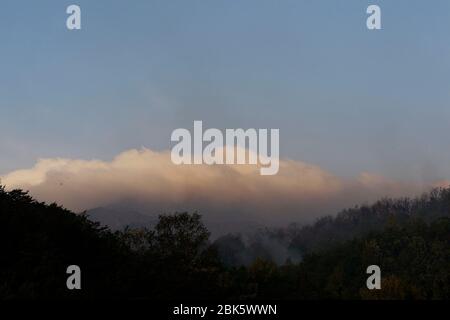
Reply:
x=176, y=260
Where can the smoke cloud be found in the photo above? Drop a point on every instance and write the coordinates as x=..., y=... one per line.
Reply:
x=228, y=195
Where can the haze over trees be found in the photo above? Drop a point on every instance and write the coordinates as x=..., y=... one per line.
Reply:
x=408, y=238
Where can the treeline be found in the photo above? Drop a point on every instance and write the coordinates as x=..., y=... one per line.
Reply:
x=293, y=242
x=38, y=242
x=408, y=239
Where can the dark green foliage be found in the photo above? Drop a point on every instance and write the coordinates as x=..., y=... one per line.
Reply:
x=38, y=242
x=408, y=239
x=361, y=220
x=172, y=261
x=414, y=260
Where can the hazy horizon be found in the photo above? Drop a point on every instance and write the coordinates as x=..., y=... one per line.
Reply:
x=86, y=116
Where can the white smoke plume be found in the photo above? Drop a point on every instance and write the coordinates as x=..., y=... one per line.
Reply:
x=226, y=194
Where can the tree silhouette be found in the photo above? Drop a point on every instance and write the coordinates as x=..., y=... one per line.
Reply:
x=408, y=238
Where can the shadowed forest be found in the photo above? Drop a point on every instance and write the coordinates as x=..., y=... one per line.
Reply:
x=408, y=238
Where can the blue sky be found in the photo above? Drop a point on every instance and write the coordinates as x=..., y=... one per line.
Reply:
x=344, y=98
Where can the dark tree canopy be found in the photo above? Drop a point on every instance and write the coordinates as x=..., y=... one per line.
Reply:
x=408, y=238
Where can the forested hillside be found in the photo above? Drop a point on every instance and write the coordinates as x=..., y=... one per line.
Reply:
x=408, y=239
x=293, y=242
